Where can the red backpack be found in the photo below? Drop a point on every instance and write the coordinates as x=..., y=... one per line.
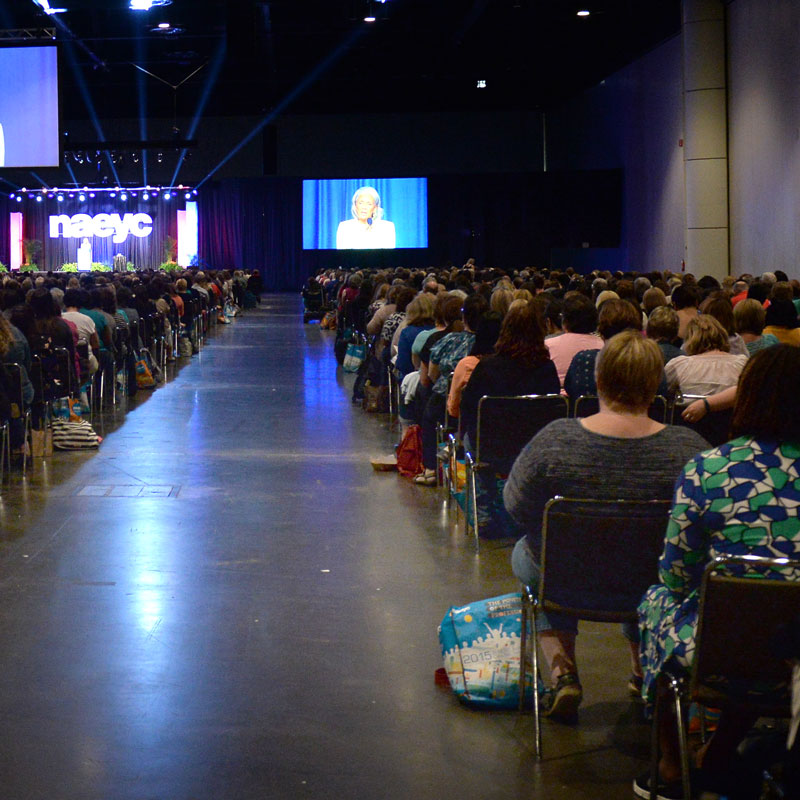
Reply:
x=409, y=452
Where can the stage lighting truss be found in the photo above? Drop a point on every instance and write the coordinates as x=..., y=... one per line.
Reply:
x=123, y=193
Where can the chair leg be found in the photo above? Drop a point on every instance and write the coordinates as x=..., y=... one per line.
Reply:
x=654, y=749
x=537, y=722
x=474, y=501
x=682, y=739
x=523, y=647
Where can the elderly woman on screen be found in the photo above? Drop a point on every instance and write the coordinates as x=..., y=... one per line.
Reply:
x=367, y=230
x=618, y=453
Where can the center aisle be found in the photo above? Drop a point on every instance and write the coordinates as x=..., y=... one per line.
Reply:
x=227, y=602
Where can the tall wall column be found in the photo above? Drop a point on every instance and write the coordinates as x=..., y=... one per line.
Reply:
x=705, y=138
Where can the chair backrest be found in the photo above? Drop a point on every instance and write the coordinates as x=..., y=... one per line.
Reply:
x=599, y=556
x=714, y=427
x=746, y=603
x=507, y=424
x=588, y=404
x=14, y=371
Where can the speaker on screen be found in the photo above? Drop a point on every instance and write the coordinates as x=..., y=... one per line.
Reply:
x=365, y=213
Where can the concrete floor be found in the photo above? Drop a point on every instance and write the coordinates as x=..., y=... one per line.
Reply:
x=226, y=601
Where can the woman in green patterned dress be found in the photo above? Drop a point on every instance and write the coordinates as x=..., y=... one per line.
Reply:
x=740, y=498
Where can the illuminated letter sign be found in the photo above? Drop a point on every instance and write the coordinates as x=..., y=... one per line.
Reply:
x=101, y=225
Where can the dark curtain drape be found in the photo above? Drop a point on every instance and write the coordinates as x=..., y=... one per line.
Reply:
x=505, y=220
x=254, y=224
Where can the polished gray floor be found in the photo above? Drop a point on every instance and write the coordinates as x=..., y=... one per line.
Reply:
x=226, y=601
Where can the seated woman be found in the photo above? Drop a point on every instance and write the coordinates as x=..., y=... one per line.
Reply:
x=782, y=322
x=485, y=340
x=749, y=317
x=613, y=317
x=444, y=355
x=662, y=328
x=709, y=365
x=758, y=469
x=718, y=306
x=521, y=365
x=619, y=453
x=419, y=317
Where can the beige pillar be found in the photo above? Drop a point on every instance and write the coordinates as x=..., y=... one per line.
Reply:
x=705, y=151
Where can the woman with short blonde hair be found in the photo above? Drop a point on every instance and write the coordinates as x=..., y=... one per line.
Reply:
x=709, y=366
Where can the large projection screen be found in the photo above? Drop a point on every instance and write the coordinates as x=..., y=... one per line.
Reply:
x=365, y=213
x=29, y=107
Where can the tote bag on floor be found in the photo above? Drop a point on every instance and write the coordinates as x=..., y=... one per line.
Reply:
x=480, y=647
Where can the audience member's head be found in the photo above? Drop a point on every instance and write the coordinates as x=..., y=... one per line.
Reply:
x=766, y=401
x=663, y=324
x=522, y=334
x=628, y=371
x=579, y=314
x=749, y=317
x=616, y=316
x=653, y=298
x=703, y=334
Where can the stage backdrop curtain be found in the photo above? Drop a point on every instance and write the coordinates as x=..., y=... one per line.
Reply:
x=145, y=252
x=326, y=203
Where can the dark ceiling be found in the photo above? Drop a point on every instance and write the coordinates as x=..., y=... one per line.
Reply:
x=419, y=55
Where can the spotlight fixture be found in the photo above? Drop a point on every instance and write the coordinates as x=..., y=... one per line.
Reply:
x=82, y=197
x=167, y=195
x=11, y=196
x=19, y=199
x=146, y=5
x=146, y=196
x=60, y=198
x=91, y=194
x=38, y=198
x=188, y=196
x=112, y=194
x=481, y=84
x=583, y=13
x=123, y=197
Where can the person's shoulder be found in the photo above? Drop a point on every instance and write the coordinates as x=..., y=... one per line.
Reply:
x=683, y=437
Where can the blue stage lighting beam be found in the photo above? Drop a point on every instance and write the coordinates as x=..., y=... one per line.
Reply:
x=40, y=179
x=301, y=87
x=87, y=99
x=71, y=173
x=213, y=73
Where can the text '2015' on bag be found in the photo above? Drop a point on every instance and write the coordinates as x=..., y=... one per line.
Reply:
x=480, y=647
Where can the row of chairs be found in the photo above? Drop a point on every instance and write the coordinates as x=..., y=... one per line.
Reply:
x=735, y=654
x=506, y=424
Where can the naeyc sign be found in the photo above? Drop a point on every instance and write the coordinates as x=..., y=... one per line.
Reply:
x=118, y=226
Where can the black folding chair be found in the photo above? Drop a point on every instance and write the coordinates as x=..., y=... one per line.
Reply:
x=504, y=426
x=737, y=664
x=598, y=557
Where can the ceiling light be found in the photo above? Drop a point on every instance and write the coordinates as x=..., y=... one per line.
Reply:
x=163, y=25
x=369, y=19
x=584, y=13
